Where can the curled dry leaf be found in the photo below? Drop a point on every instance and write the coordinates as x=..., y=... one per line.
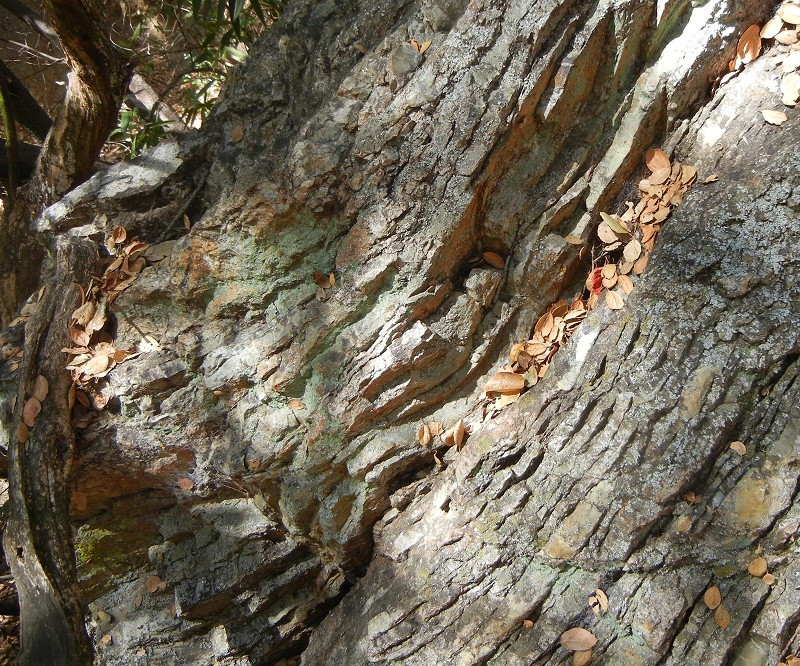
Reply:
x=749, y=45
x=722, y=617
x=573, y=240
x=527, y=623
x=458, y=433
x=774, y=117
x=494, y=259
x=641, y=264
x=425, y=46
x=424, y=436
x=40, y=388
x=786, y=37
x=23, y=433
x=606, y=234
x=713, y=178
x=614, y=300
x=712, y=597
x=436, y=428
x=119, y=235
x=84, y=313
x=656, y=159
x=294, y=403
x=790, y=13
x=660, y=176
x=738, y=447
x=578, y=640
x=758, y=567
x=505, y=382
x=30, y=411
x=582, y=658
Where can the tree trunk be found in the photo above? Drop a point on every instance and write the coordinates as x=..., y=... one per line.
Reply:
x=224, y=501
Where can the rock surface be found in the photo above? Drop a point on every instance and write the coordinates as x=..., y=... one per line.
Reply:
x=245, y=459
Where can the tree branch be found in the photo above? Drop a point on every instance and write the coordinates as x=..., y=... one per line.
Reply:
x=23, y=105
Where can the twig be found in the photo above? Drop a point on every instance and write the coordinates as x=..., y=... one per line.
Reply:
x=11, y=141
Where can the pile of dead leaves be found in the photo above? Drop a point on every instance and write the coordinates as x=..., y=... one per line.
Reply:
x=93, y=354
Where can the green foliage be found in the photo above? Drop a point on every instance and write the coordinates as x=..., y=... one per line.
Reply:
x=137, y=131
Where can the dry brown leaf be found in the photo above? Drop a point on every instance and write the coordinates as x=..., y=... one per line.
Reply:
x=582, y=658
x=237, y=133
x=573, y=240
x=774, y=117
x=84, y=313
x=712, y=597
x=786, y=37
x=691, y=497
x=98, y=320
x=424, y=435
x=660, y=176
x=790, y=88
x=105, y=640
x=683, y=523
x=40, y=388
x=606, y=234
x=322, y=279
x=790, y=13
x=738, y=447
x=527, y=623
x=758, y=567
x=414, y=43
x=713, y=178
x=578, y=640
x=294, y=403
x=505, y=382
x=749, y=45
x=600, y=599
x=119, y=235
x=30, y=411
x=688, y=174
x=768, y=579
x=722, y=617
x=494, y=259
x=632, y=251
x=771, y=28
x=656, y=159
x=23, y=433
x=154, y=583
x=641, y=264
x=610, y=283
x=458, y=433
x=506, y=399
x=791, y=62
x=625, y=283
x=436, y=428
x=185, y=483
x=614, y=300
x=425, y=46
x=608, y=271
x=96, y=365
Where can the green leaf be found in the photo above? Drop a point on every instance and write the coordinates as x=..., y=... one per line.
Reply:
x=616, y=226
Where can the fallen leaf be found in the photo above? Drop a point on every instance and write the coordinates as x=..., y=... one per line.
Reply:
x=758, y=567
x=294, y=403
x=425, y=46
x=739, y=447
x=660, y=176
x=786, y=37
x=458, y=433
x=749, y=45
x=119, y=235
x=494, y=259
x=768, y=579
x=40, y=388
x=322, y=279
x=527, y=623
x=84, y=313
x=436, y=428
x=23, y=433
x=614, y=300
x=600, y=599
x=582, y=658
x=656, y=159
x=713, y=178
x=712, y=597
x=790, y=88
x=573, y=240
x=684, y=523
x=237, y=133
x=154, y=583
x=185, y=483
x=774, y=117
x=790, y=13
x=722, y=617
x=105, y=640
x=424, y=435
x=632, y=251
x=616, y=225
x=578, y=640
x=606, y=234
x=30, y=411
x=771, y=28
x=641, y=264
x=505, y=382
x=414, y=43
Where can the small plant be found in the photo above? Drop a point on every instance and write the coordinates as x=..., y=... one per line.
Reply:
x=137, y=130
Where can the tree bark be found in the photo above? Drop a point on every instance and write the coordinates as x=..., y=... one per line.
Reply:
x=224, y=502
